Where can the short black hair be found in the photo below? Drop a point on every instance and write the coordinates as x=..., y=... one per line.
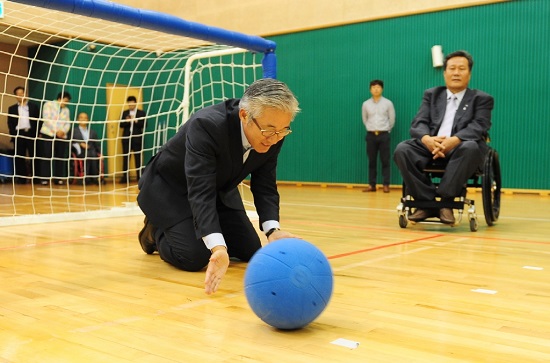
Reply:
x=376, y=82
x=131, y=99
x=460, y=53
x=64, y=94
x=18, y=88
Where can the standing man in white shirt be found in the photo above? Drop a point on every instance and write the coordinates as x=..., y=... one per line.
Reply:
x=379, y=118
x=23, y=125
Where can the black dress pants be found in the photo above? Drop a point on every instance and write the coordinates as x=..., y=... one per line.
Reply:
x=24, y=161
x=412, y=157
x=179, y=246
x=378, y=144
x=131, y=145
x=54, y=154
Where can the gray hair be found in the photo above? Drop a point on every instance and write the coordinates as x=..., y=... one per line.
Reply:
x=268, y=92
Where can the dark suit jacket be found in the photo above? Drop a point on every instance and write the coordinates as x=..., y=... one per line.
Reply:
x=202, y=166
x=94, y=146
x=472, y=120
x=13, y=119
x=138, y=126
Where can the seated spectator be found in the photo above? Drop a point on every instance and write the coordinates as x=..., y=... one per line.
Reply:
x=87, y=146
x=451, y=125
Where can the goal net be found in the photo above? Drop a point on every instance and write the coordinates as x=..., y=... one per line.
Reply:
x=103, y=56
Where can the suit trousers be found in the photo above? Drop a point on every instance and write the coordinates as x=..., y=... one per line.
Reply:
x=134, y=144
x=24, y=145
x=378, y=144
x=412, y=157
x=90, y=161
x=179, y=246
x=54, y=155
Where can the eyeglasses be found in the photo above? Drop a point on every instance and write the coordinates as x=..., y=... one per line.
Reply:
x=269, y=133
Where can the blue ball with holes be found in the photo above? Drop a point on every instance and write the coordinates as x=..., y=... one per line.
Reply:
x=288, y=283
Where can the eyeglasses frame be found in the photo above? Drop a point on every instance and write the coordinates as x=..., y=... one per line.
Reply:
x=273, y=133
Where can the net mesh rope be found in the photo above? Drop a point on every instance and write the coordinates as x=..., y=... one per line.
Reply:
x=100, y=63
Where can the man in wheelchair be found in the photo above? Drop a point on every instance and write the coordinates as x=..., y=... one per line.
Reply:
x=450, y=127
x=86, y=148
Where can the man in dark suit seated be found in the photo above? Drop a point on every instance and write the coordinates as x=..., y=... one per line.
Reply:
x=195, y=216
x=452, y=124
x=23, y=125
x=87, y=147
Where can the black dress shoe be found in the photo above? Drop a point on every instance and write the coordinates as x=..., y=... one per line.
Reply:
x=146, y=237
x=421, y=214
x=446, y=216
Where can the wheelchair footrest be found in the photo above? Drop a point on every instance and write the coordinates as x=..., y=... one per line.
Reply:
x=432, y=204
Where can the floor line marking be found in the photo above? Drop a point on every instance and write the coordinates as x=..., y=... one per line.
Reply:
x=384, y=246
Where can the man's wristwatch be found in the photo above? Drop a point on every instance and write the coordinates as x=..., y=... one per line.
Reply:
x=268, y=233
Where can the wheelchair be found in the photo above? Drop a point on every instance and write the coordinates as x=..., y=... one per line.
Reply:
x=77, y=174
x=487, y=178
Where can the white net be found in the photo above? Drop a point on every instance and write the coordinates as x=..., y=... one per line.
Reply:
x=100, y=64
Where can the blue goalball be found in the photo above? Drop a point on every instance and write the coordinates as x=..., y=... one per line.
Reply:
x=288, y=283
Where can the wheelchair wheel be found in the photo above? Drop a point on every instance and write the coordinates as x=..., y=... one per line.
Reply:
x=75, y=170
x=473, y=225
x=402, y=213
x=491, y=187
x=403, y=221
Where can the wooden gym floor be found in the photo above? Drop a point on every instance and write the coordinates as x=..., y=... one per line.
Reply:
x=85, y=292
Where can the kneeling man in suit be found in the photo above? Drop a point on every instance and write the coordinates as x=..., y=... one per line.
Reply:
x=195, y=216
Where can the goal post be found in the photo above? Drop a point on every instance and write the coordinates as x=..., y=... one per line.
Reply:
x=101, y=53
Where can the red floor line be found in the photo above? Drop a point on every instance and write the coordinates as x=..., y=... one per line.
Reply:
x=383, y=246
x=413, y=231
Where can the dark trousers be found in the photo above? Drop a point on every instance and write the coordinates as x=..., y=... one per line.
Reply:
x=133, y=144
x=412, y=157
x=24, y=153
x=54, y=154
x=378, y=144
x=90, y=163
x=179, y=246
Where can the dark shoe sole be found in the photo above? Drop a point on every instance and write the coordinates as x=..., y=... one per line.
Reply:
x=146, y=239
x=447, y=221
x=427, y=215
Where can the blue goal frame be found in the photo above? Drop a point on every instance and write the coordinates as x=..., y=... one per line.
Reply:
x=155, y=20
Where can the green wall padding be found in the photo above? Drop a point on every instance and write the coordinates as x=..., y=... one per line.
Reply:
x=330, y=69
